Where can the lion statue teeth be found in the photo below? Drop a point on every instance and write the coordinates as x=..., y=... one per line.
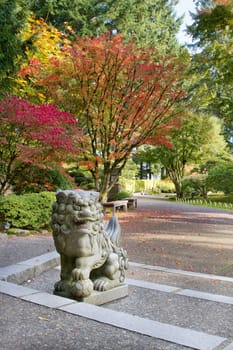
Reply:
x=91, y=258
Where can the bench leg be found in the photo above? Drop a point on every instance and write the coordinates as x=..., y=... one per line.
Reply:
x=124, y=207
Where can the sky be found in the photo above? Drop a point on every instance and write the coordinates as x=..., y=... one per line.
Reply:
x=183, y=8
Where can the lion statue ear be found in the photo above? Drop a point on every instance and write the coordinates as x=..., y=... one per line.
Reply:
x=113, y=230
x=61, y=196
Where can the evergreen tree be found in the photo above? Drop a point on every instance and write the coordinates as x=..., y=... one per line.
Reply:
x=149, y=23
x=212, y=63
x=13, y=14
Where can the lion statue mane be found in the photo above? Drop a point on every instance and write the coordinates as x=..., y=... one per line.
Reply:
x=91, y=258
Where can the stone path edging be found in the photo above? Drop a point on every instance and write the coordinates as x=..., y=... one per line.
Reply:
x=183, y=272
x=31, y=268
x=181, y=291
x=179, y=335
x=28, y=269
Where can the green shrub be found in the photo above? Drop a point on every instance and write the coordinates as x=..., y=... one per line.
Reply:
x=154, y=186
x=220, y=178
x=32, y=179
x=127, y=185
x=81, y=179
x=28, y=211
x=166, y=186
x=122, y=195
x=139, y=185
x=130, y=170
x=194, y=185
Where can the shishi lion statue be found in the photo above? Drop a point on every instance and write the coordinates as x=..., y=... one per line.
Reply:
x=90, y=256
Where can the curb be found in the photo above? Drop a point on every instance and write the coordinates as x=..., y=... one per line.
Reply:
x=29, y=269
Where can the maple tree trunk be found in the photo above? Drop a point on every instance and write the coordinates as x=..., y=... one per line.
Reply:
x=110, y=178
x=176, y=174
x=105, y=187
x=178, y=188
x=103, y=197
x=177, y=183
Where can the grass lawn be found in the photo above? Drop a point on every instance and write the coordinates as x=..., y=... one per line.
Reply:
x=215, y=200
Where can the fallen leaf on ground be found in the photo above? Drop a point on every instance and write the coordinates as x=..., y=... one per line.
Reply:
x=42, y=318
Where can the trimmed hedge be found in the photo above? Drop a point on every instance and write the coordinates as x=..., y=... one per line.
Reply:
x=28, y=211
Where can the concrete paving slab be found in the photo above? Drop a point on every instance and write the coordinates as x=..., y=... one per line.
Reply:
x=181, y=281
x=30, y=268
x=42, y=262
x=183, y=272
x=17, y=273
x=179, y=291
x=168, y=332
x=207, y=296
x=16, y=290
x=178, y=335
x=204, y=316
x=49, y=300
x=28, y=326
x=51, y=258
x=150, y=285
x=182, y=335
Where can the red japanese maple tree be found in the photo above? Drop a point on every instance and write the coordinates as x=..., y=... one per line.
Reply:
x=39, y=135
x=122, y=96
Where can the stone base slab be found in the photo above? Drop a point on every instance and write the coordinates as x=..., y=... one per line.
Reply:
x=100, y=298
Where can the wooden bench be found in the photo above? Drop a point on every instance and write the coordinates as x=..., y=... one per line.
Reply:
x=116, y=205
x=132, y=202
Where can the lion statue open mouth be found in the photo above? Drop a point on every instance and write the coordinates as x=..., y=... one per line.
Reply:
x=91, y=258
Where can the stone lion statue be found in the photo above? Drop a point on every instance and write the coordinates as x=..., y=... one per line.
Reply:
x=91, y=258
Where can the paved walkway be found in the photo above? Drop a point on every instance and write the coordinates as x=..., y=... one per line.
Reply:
x=179, y=236
x=168, y=307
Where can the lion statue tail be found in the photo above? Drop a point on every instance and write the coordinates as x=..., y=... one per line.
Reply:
x=113, y=230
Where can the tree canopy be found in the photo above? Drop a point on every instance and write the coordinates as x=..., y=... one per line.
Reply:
x=212, y=63
x=13, y=15
x=198, y=140
x=147, y=22
x=120, y=96
x=33, y=134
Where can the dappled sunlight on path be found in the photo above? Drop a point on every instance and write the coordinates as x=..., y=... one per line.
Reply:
x=179, y=237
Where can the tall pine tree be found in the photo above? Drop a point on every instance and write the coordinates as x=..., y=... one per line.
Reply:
x=148, y=22
x=212, y=31
x=13, y=14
